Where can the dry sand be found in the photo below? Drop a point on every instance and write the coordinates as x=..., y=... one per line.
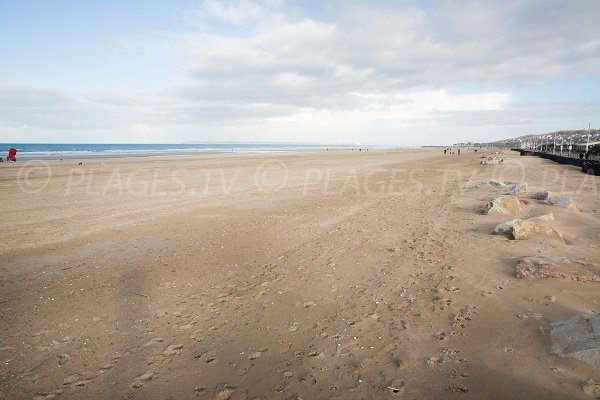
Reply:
x=327, y=275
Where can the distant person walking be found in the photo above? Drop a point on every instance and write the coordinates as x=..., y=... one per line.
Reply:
x=445, y=151
x=12, y=154
x=459, y=152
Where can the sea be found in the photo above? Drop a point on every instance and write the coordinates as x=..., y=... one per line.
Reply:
x=68, y=150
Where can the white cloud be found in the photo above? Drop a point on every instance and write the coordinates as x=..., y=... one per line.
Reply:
x=255, y=69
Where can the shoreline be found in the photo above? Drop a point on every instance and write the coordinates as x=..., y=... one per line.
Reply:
x=186, y=154
x=200, y=155
x=124, y=152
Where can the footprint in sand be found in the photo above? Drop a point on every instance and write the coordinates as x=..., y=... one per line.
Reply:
x=106, y=367
x=152, y=342
x=396, y=388
x=142, y=380
x=69, y=380
x=466, y=314
x=63, y=358
x=200, y=391
x=457, y=388
x=172, y=350
x=458, y=374
x=211, y=360
x=226, y=393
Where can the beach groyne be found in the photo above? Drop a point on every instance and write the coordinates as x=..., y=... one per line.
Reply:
x=591, y=167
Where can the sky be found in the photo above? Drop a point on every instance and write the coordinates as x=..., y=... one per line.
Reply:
x=401, y=73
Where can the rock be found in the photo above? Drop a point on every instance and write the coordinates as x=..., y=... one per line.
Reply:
x=517, y=188
x=494, y=159
x=519, y=229
x=591, y=388
x=541, y=195
x=578, y=337
x=554, y=267
x=288, y=374
x=562, y=201
x=505, y=205
x=538, y=267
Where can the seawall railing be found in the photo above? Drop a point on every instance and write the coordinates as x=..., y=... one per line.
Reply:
x=589, y=166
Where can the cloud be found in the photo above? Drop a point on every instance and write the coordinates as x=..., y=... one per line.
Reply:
x=300, y=71
x=403, y=46
x=385, y=48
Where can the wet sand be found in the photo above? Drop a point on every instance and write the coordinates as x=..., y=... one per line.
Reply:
x=318, y=275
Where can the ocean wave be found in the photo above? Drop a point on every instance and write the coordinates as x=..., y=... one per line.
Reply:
x=37, y=150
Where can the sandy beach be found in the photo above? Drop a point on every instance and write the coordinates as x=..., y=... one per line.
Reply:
x=316, y=275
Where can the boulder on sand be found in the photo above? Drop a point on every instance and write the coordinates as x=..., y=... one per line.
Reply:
x=517, y=188
x=541, y=267
x=521, y=228
x=541, y=195
x=505, y=205
x=578, y=337
x=562, y=201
